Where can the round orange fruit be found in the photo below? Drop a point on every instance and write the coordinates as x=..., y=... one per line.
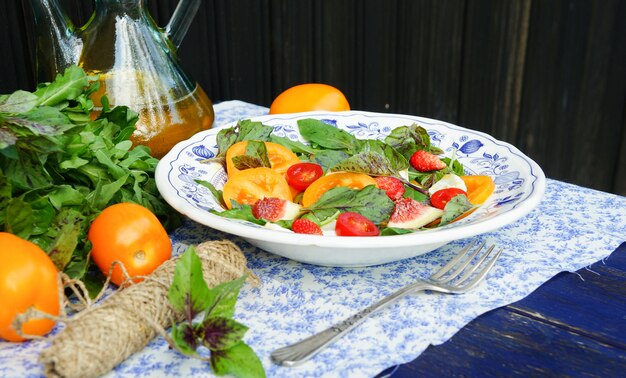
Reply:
x=310, y=96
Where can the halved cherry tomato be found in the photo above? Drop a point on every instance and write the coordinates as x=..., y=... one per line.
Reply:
x=355, y=224
x=250, y=185
x=131, y=234
x=301, y=175
x=28, y=278
x=280, y=157
x=310, y=96
x=440, y=198
x=479, y=188
x=325, y=183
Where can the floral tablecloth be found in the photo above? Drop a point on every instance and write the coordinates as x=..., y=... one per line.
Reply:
x=571, y=228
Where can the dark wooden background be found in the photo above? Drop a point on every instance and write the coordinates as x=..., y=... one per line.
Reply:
x=548, y=76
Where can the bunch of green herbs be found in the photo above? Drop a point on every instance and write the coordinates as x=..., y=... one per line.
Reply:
x=59, y=168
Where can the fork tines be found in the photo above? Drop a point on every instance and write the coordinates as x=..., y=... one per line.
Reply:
x=467, y=268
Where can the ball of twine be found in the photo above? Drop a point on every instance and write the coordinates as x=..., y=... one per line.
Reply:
x=100, y=337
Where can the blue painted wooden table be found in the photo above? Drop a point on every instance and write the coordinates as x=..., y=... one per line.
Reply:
x=573, y=325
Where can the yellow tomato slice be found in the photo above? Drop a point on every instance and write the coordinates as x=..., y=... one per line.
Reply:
x=250, y=185
x=325, y=183
x=479, y=188
x=280, y=157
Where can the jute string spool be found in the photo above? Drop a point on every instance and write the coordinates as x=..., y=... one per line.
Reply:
x=100, y=337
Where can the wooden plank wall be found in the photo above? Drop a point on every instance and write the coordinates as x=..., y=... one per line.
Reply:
x=546, y=76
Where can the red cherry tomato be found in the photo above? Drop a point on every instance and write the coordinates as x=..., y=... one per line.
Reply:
x=301, y=175
x=440, y=198
x=355, y=224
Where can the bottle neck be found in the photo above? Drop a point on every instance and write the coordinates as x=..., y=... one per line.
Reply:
x=129, y=8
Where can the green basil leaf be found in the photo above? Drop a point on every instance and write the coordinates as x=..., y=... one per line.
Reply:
x=222, y=332
x=371, y=202
x=189, y=292
x=456, y=207
x=328, y=158
x=408, y=139
x=327, y=136
x=249, y=130
x=416, y=195
x=222, y=298
x=8, y=138
x=218, y=194
x=66, y=86
x=296, y=146
x=19, y=218
x=258, y=150
x=367, y=162
x=241, y=212
x=69, y=225
x=390, y=231
x=240, y=361
x=242, y=162
x=226, y=138
x=395, y=159
x=18, y=102
x=184, y=338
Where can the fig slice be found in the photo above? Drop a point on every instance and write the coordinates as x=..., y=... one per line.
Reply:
x=274, y=209
x=410, y=214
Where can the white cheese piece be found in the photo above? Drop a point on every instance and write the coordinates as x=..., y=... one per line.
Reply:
x=448, y=181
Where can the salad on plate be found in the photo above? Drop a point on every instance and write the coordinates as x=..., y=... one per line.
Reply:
x=333, y=183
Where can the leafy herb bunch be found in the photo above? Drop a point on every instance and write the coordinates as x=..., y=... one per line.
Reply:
x=217, y=331
x=59, y=168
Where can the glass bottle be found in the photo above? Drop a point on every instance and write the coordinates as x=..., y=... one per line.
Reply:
x=137, y=66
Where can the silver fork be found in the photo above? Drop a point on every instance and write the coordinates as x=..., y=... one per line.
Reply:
x=458, y=276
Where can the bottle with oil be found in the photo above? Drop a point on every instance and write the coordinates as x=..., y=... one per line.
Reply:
x=136, y=63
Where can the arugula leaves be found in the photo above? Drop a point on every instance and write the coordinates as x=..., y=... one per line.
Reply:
x=217, y=331
x=59, y=168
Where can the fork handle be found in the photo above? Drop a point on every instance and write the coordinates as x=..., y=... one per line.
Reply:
x=299, y=352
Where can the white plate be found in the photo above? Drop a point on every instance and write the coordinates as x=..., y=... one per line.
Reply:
x=520, y=185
